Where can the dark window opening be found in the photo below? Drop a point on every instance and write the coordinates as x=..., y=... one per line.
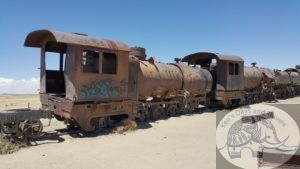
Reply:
x=90, y=61
x=109, y=63
x=236, y=67
x=231, y=68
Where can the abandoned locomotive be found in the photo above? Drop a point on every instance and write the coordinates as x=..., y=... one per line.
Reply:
x=97, y=82
x=100, y=81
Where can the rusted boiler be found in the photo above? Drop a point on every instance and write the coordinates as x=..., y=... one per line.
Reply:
x=253, y=78
x=163, y=81
x=258, y=84
x=282, y=78
x=160, y=80
x=295, y=79
x=283, y=84
x=178, y=86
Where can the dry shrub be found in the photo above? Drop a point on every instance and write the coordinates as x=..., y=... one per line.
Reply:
x=126, y=125
x=8, y=147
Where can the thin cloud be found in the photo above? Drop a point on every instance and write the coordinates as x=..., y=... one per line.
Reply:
x=15, y=86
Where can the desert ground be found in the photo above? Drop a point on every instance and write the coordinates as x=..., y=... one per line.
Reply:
x=184, y=142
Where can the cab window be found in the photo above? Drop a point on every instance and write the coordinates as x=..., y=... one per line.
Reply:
x=236, y=69
x=231, y=68
x=109, y=63
x=90, y=61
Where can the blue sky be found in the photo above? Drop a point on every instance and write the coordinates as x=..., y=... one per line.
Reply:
x=264, y=31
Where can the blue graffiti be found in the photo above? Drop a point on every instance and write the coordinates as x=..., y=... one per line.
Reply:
x=102, y=89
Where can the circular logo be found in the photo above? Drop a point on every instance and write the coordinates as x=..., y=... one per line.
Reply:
x=257, y=136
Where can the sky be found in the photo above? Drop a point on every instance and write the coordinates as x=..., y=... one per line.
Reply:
x=262, y=31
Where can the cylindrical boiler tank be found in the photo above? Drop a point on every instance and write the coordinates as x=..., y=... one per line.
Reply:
x=295, y=77
x=253, y=77
x=195, y=80
x=155, y=80
x=158, y=79
x=282, y=78
x=269, y=74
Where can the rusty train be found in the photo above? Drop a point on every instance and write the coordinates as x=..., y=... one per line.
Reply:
x=97, y=82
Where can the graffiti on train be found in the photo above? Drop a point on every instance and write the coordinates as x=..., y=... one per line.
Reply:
x=104, y=89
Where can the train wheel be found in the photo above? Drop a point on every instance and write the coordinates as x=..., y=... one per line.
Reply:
x=31, y=129
x=188, y=109
x=172, y=110
x=58, y=117
x=156, y=112
x=142, y=116
x=101, y=124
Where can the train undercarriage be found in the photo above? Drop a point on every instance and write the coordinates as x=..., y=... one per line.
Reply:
x=23, y=124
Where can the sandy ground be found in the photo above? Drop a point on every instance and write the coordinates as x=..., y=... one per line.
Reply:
x=19, y=101
x=185, y=142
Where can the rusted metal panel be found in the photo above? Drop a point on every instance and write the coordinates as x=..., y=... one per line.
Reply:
x=36, y=38
x=69, y=72
x=227, y=96
x=133, y=69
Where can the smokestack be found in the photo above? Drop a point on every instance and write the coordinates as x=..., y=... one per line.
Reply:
x=138, y=52
x=253, y=64
x=177, y=60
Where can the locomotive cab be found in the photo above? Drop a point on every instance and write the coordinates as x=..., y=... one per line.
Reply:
x=227, y=73
x=84, y=79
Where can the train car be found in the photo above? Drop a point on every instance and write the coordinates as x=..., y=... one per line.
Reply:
x=98, y=81
x=227, y=73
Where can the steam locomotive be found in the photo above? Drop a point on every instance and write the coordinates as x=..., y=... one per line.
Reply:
x=98, y=82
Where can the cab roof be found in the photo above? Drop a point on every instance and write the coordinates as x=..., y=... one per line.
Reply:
x=36, y=39
x=204, y=57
